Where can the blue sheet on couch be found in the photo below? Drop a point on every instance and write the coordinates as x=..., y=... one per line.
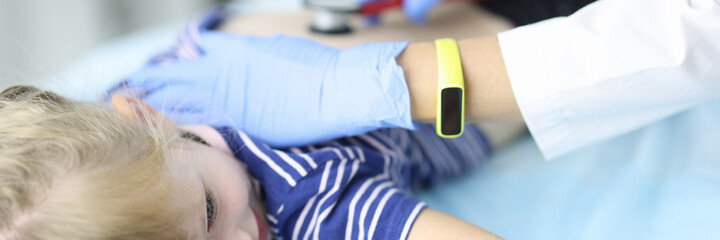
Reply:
x=659, y=182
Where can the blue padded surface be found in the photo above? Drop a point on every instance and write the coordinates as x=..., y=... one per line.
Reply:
x=659, y=182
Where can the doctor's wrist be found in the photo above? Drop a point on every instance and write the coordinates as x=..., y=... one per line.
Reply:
x=419, y=62
x=488, y=93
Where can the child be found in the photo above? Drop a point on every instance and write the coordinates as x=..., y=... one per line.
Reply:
x=71, y=170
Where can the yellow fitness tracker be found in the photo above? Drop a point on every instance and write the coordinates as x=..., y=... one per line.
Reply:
x=450, y=117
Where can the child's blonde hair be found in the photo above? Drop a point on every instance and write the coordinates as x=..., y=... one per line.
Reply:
x=72, y=170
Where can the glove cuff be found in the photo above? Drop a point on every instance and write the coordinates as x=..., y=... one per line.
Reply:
x=385, y=102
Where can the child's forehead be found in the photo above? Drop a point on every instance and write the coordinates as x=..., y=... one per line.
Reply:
x=182, y=167
x=182, y=158
x=190, y=193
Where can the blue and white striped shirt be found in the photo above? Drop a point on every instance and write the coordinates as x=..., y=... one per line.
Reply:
x=355, y=187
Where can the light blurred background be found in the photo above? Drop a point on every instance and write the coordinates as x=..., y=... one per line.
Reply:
x=39, y=38
x=660, y=182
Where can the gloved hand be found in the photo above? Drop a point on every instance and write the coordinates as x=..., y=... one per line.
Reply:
x=418, y=10
x=286, y=91
x=415, y=10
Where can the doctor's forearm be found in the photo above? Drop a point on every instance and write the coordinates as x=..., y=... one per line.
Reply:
x=488, y=94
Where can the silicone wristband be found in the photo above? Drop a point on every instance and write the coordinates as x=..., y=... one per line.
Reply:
x=450, y=117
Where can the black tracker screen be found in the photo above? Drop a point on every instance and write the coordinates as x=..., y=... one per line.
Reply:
x=451, y=113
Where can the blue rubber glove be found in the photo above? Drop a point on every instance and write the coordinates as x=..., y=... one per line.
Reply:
x=415, y=10
x=418, y=10
x=286, y=91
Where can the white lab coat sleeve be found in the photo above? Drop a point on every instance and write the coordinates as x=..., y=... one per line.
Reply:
x=612, y=67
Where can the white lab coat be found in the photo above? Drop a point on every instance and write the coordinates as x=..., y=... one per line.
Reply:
x=612, y=67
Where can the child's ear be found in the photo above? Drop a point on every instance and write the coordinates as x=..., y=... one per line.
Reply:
x=134, y=109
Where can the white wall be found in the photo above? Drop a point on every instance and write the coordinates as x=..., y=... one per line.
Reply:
x=40, y=37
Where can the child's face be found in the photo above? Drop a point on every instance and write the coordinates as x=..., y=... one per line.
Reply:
x=214, y=184
x=218, y=193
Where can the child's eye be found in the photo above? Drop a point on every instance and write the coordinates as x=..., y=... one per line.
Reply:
x=193, y=137
x=210, y=207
